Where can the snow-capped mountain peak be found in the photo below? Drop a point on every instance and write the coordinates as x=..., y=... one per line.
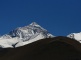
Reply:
x=30, y=33
x=76, y=36
x=34, y=24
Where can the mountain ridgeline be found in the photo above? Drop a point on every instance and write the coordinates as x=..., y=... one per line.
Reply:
x=33, y=42
x=58, y=48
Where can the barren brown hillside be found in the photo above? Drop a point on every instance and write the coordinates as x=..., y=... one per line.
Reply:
x=58, y=48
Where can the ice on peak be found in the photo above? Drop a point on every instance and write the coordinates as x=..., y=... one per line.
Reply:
x=29, y=32
x=34, y=24
x=24, y=35
x=76, y=36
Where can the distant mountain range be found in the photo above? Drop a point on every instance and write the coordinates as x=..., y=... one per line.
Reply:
x=33, y=42
x=24, y=35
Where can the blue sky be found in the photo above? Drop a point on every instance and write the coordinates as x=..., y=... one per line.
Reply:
x=59, y=17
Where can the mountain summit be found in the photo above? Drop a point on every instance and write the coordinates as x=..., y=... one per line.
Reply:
x=76, y=36
x=30, y=32
x=24, y=35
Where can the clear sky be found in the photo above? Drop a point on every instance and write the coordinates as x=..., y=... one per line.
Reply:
x=59, y=17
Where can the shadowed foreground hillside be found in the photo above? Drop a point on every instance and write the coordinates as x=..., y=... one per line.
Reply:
x=58, y=48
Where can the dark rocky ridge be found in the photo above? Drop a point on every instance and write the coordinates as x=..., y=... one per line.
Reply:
x=58, y=48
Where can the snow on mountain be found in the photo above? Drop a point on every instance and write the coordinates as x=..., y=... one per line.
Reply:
x=8, y=43
x=24, y=35
x=76, y=36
